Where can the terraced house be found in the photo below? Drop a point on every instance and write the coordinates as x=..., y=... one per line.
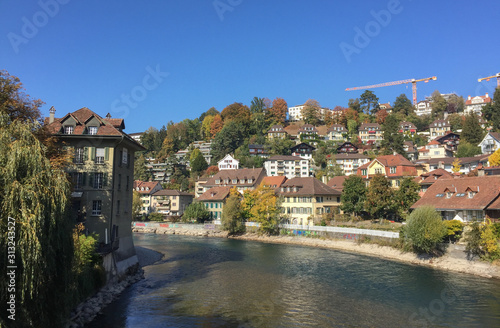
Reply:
x=393, y=167
x=103, y=177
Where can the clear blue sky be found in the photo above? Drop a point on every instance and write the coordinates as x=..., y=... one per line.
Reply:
x=176, y=59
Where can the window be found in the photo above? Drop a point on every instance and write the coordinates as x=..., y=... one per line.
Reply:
x=79, y=155
x=378, y=171
x=98, y=180
x=78, y=180
x=119, y=181
x=175, y=204
x=439, y=195
x=363, y=171
x=93, y=130
x=68, y=129
x=392, y=169
x=96, y=207
x=99, y=155
x=460, y=195
x=125, y=156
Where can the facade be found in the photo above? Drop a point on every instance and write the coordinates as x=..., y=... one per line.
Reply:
x=146, y=189
x=347, y=147
x=303, y=150
x=258, y=150
x=308, y=132
x=103, y=177
x=393, y=167
x=277, y=132
x=423, y=108
x=171, y=202
x=467, y=164
x=439, y=128
x=162, y=172
x=241, y=179
x=370, y=132
x=204, y=147
x=411, y=150
x=407, y=128
x=475, y=104
x=136, y=136
x=337, y=133
x=295, y=113
x=386, y=106
x=425, y=180
x=214, y=199
x=465, y=199
x=228, y=163
x=349, y=162
x=305, y=200
x=288, y=166
x=490, y=143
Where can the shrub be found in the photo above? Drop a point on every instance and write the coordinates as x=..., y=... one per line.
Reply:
x=424, y=230
x=482, y=241
x=454, y=229
x=156, y=216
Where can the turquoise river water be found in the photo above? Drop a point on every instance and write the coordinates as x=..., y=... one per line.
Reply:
x=216, y=282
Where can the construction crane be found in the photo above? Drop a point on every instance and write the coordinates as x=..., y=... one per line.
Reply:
x=412, y=81
x=497, y=75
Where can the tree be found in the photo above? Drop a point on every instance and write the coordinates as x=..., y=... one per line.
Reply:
x=491, y=111
x=439, y=105
x=471, y=132
x=206, y=127
x=236, y=112
x=278, y=110
x=381, y=116
x=369, y=102
x=211, y=112
x=261, y=205
x=311, y=112
x=456, y=104
x=402, y=106
x=465, y=149
x=198, y=164
x=406, y=195
x=353, y=195
x=456, y=121
x=136, y=204
x=355, y=105
x=424, y=230
x=141, y=172
x=228, y=140
x=216, y=126
x=196, y=212
x=393, y=140
x=278, y=146
x=494, y=158
x=259, y=105
x=456, y=165
x=232, y=216
x=379, y=198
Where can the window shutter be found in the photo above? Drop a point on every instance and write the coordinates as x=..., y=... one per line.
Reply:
x=104, y=179
x=106, y=153
x=86, y=154
x=91, y=179
x=92, y=153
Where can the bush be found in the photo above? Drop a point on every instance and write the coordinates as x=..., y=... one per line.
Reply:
x=424, y=230
x=156, y=216
x=454, y=229
x=482, y=241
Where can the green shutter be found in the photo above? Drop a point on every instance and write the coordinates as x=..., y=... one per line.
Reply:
x=106, y=153
x=85, y=154
x=92, y=153
x=91, y=179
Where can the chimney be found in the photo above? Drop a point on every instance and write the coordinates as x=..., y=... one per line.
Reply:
x=469, y=97
x=52, y=113
x=486, y=95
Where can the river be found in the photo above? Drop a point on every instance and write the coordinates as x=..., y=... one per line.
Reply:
x=217, y=282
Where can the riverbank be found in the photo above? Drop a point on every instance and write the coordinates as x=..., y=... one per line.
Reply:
x=88, y=310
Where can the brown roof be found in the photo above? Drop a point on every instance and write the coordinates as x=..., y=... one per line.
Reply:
x=308, y=186
x=390, y=160
x=284, y=158
x=255, y=175
x=215, y=194
x=337, y=182
x=365, y=126
x=429, y=178
x=487, y=190
x=273, y=182
x=336, y=128
x=349, y=156
x=149, y=185
x=310, y=128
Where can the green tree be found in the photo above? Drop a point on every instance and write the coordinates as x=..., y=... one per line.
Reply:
x=438, y=104
x=455, y=104
x=465, y=149
x=136, y=204
x=393, y=140
x=353, y=195
x=311, y=112
x=369, y=102
x=280, y=146
x=406, y=195
x=424, y=230
x=379, y=198
x=355, y=105
x=402, y=106
x=196, y=212
x=198, y=164
x=236, y=112
x=231, y=137
x=456, y=121
x=259, y=105
x=232, y=215
x=206, y=127
x=211, y=112
x=141, y=172
x=491, y=111
x=471, y=132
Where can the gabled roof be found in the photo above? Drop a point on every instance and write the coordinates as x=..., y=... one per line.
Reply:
x=487, y=189
x=336, y=128
x=308, y=128
x=486, y=99
x=215, y=194
x=303, y=145
x=241, y=174
x=366, y=126
x=277, y=128
x=148, y=186
x=337, y=182
x=273, y=182
x=431, y=177
x=308, y=187
x=389, y=160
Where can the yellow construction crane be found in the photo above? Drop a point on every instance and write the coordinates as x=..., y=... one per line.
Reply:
x=497, y=75
x=412, y=81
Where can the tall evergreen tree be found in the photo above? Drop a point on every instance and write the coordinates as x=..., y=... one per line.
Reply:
x=369, y=102
x=402, y=106
x=393, y=140
x=491, y=111
x=471, y=131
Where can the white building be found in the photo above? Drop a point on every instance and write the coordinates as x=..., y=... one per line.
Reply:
x=228, y=163
x=295, y=113
x=475, y=104
x=349, y=162
x=490, y=143
x=289, y=166
x=423, y=108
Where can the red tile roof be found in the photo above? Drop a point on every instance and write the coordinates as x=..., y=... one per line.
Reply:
x=389, y=160
x=149, y=185
x=337, y=182
x=215, y=194
x=308, y=186
x=273, y=182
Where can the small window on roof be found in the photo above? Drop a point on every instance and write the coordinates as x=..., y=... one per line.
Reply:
x=439, y=195
x=92, y=130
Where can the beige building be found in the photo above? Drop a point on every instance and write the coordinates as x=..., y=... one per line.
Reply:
x=305, y=200
x=171, y=202
x=103, y=176
x=214, y=200
x=439, y=128
x=370, y=132
x=146, y=189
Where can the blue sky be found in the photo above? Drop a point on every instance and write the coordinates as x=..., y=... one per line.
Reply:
x=155, y=61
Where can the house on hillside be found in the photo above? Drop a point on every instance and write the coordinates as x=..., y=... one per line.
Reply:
x=407, y=128
x=305, y=200
x=288, y=166
x=490, y=143
x=466, y=199
x=442, y=146
x=273, y=182
x=241, y=179
x=393, y=167
x=258, y=150
x=349, y=162
x=467, y=164
x=336, y=133
x=303, y=150
x=277, y=132
x=337, y=182
x=370, y=133
x=171, y=202
x=423, y=108
x=347, y=147
x=214, y=200
x=103, y=174
x=439, y=128
x=228, y=163
x=425, y=180
x=308, y=132
x=146, y=189
x=475, y=104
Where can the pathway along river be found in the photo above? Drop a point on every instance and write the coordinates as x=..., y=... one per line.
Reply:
x=215, y=282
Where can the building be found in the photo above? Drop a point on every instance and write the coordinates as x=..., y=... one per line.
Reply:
x=204, y=147
x=295, y=113
x=303, y=150
x=407, y=128
x=386, y=106
x=443, y=146
x=163, y=171
x=214, y=200
x=103, y=176
x=337, y=182
x=337, y=133
x=467, y=164
x=466, y=199
x=258, y=150
x=136, y=136
x=305, y=200
x=288, y=166
x=393, y=167
x=475, y=104
x=425, y=180
x=273, y=182
x=370, y=133
x=347, y=147
x=349, y=162
x=423, y=108
x=277, y=132
x=490, y=143
x=241, y=179
x=146, y=189
x=228, y=163
x=411, y=150
x=171, y=202
x=308, y=132
x=439, y=128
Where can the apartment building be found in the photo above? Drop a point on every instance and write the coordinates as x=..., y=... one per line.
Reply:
x=439, y=128
x=146, y=189
x=289, y=166
x=337, y=133
x=475, y=104
x=171, y=202
x=370, y=132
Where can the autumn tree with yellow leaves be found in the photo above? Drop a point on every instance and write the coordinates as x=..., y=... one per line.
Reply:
x=262, y=205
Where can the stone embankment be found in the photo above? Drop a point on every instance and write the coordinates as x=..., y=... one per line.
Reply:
x=181, y=231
